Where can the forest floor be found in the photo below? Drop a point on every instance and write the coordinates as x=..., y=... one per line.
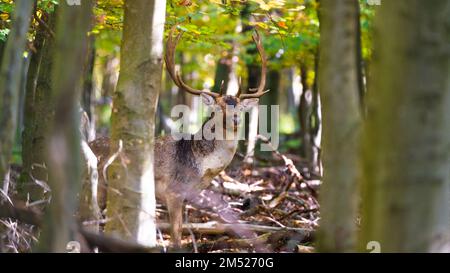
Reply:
x=266, y=206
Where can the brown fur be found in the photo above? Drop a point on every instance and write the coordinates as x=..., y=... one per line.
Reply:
x=182, y=167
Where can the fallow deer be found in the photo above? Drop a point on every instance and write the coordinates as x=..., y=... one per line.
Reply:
x=184, y=167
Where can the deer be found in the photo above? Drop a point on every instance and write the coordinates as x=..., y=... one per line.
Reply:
x=183, y=168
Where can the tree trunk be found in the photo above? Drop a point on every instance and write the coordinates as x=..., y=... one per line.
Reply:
x=38, y=113
x=10, y=76
x=110, y=76
x=132, y=213
x=253, y=74
x=252, y=137
x=252, y=121
x=406, y=182
x=316, y=122
x=89, y=209
x=292, y=106
x=271, y=98
x=223, y=70
x=359, y=62
x=88, y=94
x=20, y=116
x=305, y=112
x=63, y=153
x=341, y=121
x=2, y=50
x=179, y=97
x=233, y=80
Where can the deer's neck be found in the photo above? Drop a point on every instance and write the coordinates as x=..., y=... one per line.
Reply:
x=205, y=146
x=213, y=156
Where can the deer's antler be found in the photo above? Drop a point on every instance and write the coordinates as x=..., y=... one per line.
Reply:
x=262, y=84
x=170, y=65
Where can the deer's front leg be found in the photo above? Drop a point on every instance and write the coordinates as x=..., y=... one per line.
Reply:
x=175, y=207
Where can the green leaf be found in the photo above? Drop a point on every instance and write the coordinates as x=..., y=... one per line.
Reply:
x=4, y=34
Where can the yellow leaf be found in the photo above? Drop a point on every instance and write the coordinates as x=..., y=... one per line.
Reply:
x=262, y=4
x=4, y=16
x=276, y=4
x=259, y=24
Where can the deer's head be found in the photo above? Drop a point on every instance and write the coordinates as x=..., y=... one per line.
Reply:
x=228, y=106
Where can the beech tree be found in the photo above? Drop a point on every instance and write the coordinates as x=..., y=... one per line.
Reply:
x=406, y=178
x=63, y=147
x=38, y=114
x=10, y=76
x=338, y=86
x=131, y=193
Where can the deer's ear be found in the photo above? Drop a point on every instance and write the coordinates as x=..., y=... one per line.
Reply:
x=207, y=99
x=248, y=104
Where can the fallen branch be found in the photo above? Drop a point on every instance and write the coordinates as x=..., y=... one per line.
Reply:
x=114, y=245
x=267, y=242
x=233, y=243
x=214, y=227
x=235, y=188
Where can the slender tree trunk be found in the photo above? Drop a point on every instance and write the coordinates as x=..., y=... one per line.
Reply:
x=64, y=157
x=2, y=50
x=252, y=136
x=132, y=213
x=38, y=113
x=21, y=108
x=406, y=182
x=89, y=210
x=179, y=97
x=88, y=96
x=253, y=75
x=165, y=103
x=251, y=121
x=223, y=70
x=316, y=122
x=10, y=76
x=341, y=121
x=271, y=98
x=292, y=108
x=360, y=62
x=305, y=112
x=110, y=76
x=233, y=80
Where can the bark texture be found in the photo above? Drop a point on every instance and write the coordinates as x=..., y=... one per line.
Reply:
x=10, y=77
x=63, y=147
x=131, y=196
x=37, y=113
x=338, y=86
x=406, y=182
